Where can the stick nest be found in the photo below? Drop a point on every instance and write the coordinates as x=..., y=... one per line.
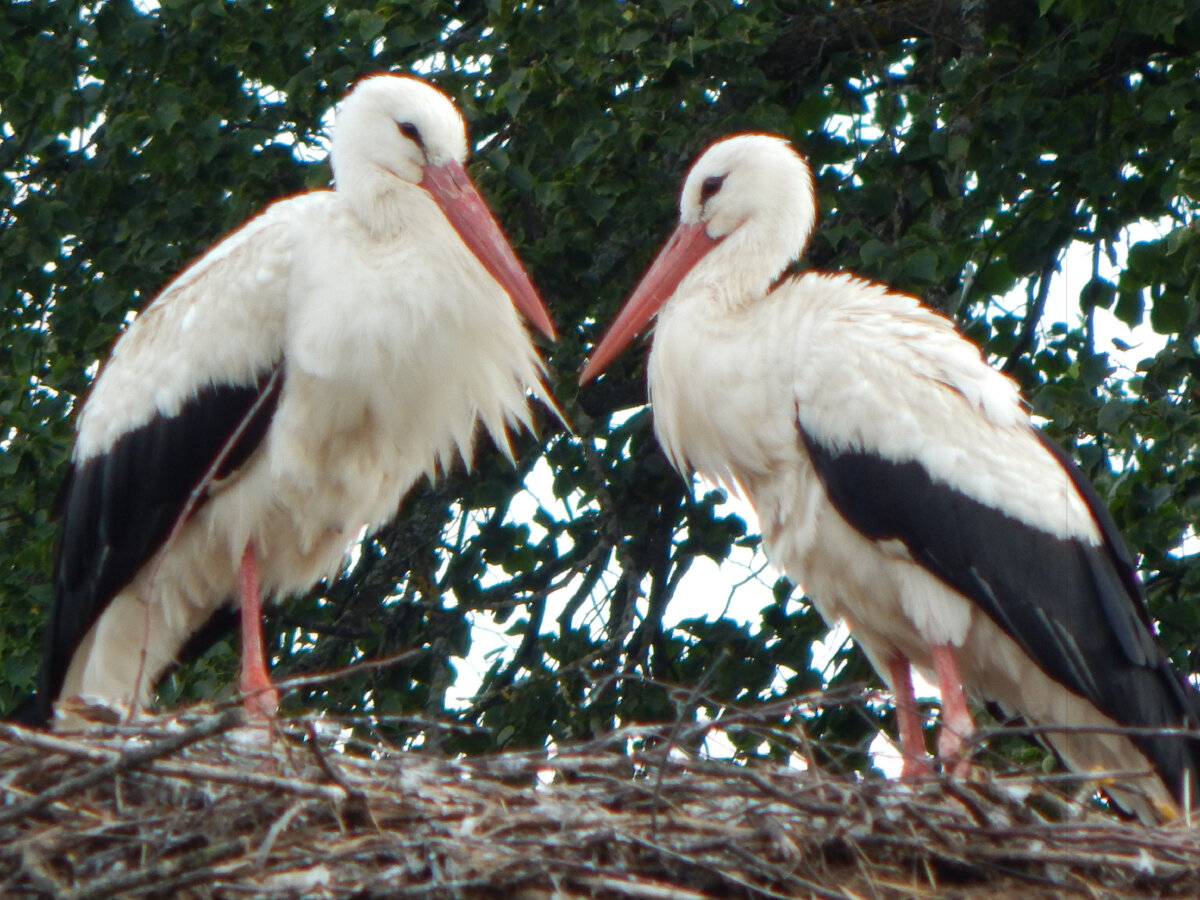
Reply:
x=185, y=806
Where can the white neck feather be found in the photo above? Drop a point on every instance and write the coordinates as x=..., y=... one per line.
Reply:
x=763, y=212
x=388, y=129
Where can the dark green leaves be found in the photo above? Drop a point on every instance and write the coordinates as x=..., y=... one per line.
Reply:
x=955, y=162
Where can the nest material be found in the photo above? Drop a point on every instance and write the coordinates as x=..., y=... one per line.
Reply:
x=180, y=807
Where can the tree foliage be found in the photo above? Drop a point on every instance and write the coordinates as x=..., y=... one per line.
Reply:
x=961, y=147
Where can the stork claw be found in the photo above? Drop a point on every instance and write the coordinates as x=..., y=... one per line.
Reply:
x=915, y=769
x=261, y=702
x=953, y=752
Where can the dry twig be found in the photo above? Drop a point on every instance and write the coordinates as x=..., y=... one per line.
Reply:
x=178, y=808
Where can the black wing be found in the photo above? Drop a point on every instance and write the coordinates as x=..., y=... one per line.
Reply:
x=1076, y=609
x=118, y=508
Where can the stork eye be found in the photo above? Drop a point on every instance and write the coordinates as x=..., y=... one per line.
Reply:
x=711, y=185
x=410, y=131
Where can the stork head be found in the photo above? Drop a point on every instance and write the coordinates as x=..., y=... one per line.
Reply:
x=745, y=213
x=398, y=128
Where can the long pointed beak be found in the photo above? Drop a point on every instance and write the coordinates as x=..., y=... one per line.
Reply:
x=686, y=246
x=457, y=197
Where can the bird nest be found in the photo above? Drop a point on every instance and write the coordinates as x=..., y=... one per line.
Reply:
x=185, y=806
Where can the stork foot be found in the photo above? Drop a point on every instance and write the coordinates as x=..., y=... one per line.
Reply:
x=908, y=717
x=260, y=697
x=261, y=701
x=955, y=759
x=957, y=723
x=915, y=769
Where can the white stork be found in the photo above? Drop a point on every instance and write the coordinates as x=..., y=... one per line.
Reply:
x=283, y=392
x=898, y=478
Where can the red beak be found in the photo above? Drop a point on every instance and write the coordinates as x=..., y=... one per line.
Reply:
x=460, y=202
x=685, y=248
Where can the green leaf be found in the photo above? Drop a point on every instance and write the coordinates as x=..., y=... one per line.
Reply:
x=1170, y=312
x=368, y=23
x=921, y=265
x=1097, y=292
x=874, y=251
x=1113, y=415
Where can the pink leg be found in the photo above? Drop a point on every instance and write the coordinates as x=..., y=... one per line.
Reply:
x=957, y=723
x=258, y=693
x=912, y=742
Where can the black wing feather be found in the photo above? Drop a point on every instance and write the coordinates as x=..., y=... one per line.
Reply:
x=1076, y=609
x=118, y=508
